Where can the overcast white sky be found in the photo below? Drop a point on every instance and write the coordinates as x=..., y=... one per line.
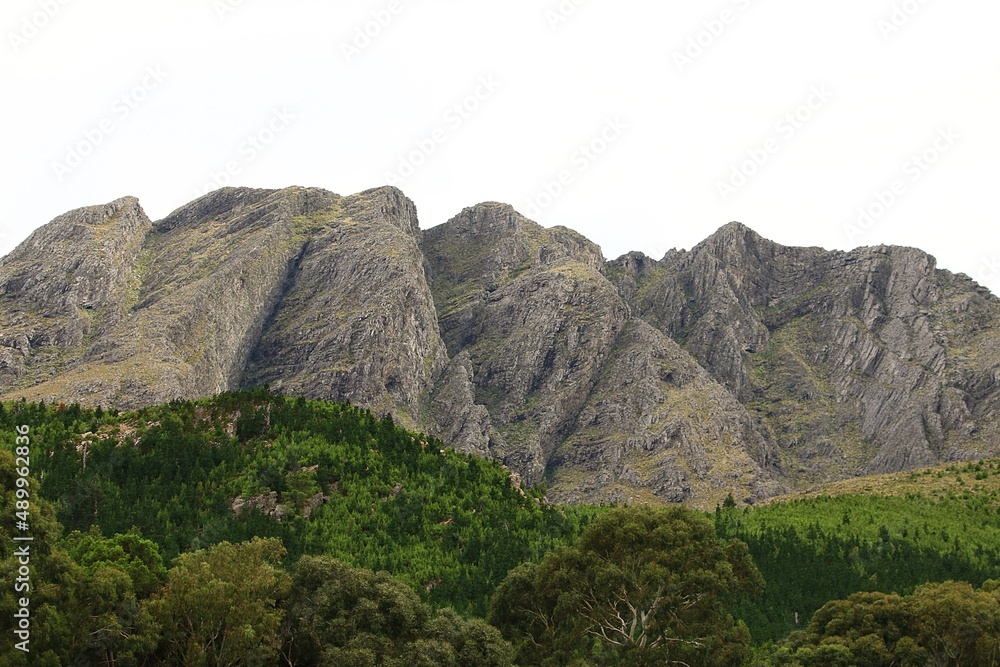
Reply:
x=789, y=116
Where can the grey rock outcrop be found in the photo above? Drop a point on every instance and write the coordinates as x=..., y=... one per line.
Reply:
x=69, y=283
x=856, y=362
x=583, y=394
x=739, y=366
x=318, y=294
x=356, y=319
x=531, y=310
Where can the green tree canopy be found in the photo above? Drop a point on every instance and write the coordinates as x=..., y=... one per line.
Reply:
x=642, y=586
x=340, y=616
x=941, y=625
x=137, y=557
x=220, y=605
x=52, y=574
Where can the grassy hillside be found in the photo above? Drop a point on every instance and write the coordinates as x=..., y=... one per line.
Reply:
x=887, y=533
x=970, y=479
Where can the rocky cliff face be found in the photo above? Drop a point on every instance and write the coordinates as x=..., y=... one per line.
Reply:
x=356, y=319
x=68, y=284
x=535, y=317
x=740, y=366
x=602, y=405
x=317, y=294
x=189, y=298
x=860, y=362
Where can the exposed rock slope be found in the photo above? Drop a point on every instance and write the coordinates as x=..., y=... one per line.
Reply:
x=356, y=319
x=602, y=404
x=740, y=366
x=68, y=284
x=857, y=362
x=318, y=294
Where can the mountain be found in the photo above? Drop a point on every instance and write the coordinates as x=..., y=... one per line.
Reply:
x=740, y=366
x=320, y=295
x=867, y=361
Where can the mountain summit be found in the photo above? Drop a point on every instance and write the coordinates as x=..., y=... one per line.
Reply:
x=740, y=366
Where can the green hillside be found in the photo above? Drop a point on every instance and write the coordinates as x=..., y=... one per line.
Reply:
x=886, y=533
x=327, y=526
x=324, y=478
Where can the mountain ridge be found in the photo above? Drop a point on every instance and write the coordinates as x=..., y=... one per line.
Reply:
x=738, y=366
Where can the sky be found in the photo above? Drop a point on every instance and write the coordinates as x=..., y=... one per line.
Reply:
x=642, y=125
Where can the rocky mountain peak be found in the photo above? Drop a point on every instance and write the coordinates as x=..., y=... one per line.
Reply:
x=118, y=220
x=218, y=204
x=739, y=366
x=493, y=221
x=736, y=245
x=385, y=205
x=487, y=218
x=127, y=207
x=230, y=210
x=497, y=241
x=734, y=230
x=73, y=273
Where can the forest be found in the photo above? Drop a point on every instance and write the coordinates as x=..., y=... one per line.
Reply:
x=256, y=529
